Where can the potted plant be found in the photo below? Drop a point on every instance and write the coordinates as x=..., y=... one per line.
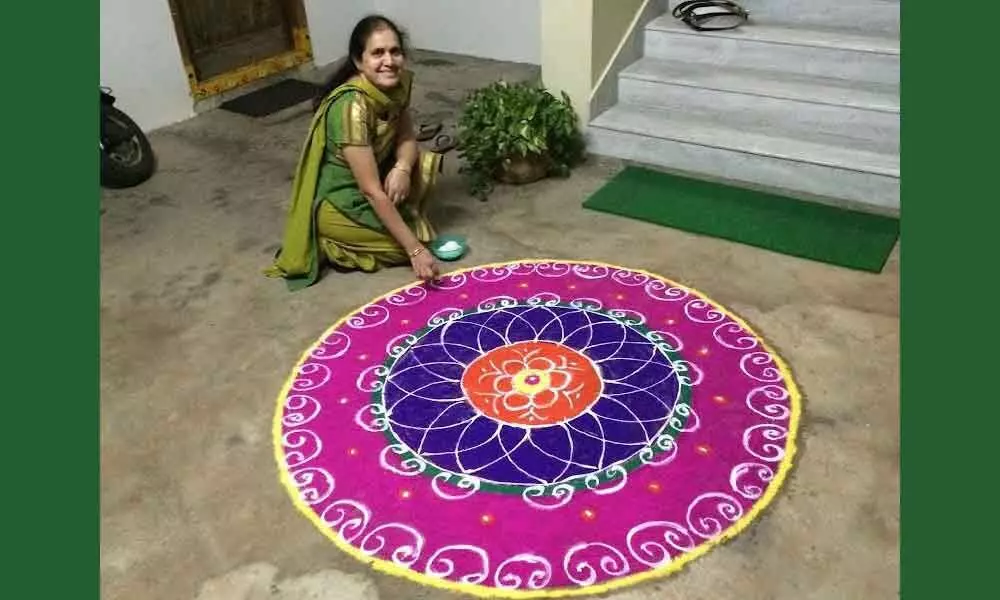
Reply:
x=516, y=133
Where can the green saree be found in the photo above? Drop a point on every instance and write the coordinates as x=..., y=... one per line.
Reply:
x=356, y=113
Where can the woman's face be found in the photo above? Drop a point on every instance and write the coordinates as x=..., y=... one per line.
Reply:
x=382, y=59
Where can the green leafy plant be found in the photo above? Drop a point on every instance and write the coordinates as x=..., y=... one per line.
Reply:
x=523, y=122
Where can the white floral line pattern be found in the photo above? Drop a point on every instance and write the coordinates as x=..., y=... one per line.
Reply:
x=660, y=450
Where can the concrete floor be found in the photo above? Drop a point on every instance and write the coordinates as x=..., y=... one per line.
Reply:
x=196, y=343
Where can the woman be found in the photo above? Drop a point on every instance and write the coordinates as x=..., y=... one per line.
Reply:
x=360, y=192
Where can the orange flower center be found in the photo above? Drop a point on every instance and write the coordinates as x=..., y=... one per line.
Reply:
x=532, y=383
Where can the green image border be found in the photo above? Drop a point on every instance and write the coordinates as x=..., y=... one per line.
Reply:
x=948, y=301
x=51, y=301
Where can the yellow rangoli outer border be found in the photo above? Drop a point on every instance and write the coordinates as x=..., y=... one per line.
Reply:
x=482, y=591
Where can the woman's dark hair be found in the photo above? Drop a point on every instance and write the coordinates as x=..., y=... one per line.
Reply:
x=355, y=48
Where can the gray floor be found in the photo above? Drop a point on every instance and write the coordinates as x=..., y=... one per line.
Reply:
x=195, y=344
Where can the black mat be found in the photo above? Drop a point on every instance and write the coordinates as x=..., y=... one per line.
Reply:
x=273, y=98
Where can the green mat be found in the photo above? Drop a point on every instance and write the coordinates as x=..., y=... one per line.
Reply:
x=832, y=235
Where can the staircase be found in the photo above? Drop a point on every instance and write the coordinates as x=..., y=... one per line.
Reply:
x=803, y=99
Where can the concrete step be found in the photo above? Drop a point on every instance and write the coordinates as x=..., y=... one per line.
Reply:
x=805, y=165
x=836, y=108
x=879, y=17
x=841, y=54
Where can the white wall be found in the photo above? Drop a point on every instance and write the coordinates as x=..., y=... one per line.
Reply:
x=330, y=24
x=141, y=62
x=497, y=29
x=567, y=50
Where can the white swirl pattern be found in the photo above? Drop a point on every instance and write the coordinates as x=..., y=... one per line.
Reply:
x=442, y=567
x=371, y=417
x=397, y=459
x=662, y=292
x=463, y=486
x=581, y=572
x=548, y=497
x=709, y=526
x=409, y=296
x=653, y=553
x=731, y=335
x=404, y=554
x=370, y=316
x=370, y=380
x=700, y=311
x=315, y=484
x=776, y=410
x=760, y=366
x=311, y=376
x=759, y=440
x=594, y=481
x=334, y=346
x=591, y=272
x=301, y=446
x=749, y=479
x=538, y=575
x=348, y=518
x=299, y=410
x=689, y=373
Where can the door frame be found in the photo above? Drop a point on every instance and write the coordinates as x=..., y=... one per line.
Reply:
x=300, y=53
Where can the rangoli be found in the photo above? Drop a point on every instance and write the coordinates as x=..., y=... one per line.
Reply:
x=536, y=429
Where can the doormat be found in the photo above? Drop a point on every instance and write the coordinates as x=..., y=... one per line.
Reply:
x=271, y=99
x=536, y=429
x=847, y=238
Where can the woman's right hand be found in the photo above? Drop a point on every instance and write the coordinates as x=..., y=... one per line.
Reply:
x=424, y=266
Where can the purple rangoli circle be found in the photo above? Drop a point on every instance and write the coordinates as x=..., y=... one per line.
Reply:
x=536, y=428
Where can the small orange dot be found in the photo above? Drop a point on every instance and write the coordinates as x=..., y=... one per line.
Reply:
x=353, y=451
x=523, y=285
x=405, y=322
x=719, y=399
x=405, y=494
x=620, y=297
x=343, y=400
x=463, y=296
x=671, y=322
x=572, y=286
x=588, y=514
x=702, y=449
x=703, y=351
x=486, y=519
x=363, y=357
x=654, y=487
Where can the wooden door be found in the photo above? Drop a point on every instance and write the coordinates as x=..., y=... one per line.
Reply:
x=225, y=37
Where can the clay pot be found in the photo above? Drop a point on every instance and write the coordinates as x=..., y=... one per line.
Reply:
x=519, y=170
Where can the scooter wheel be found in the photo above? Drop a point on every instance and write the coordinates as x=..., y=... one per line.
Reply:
x=130, y=161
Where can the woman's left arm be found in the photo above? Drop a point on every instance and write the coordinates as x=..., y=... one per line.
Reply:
x=406, y=143
x=397, y=182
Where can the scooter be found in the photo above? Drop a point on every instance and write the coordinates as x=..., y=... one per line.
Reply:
x=126, y=156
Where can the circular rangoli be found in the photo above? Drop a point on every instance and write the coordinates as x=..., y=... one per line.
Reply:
x=536, y=429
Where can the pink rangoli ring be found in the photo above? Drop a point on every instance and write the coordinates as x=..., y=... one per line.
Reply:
x=536, y=429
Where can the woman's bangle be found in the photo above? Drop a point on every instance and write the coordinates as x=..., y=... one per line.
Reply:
x=417, y=251
x=402, y=168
